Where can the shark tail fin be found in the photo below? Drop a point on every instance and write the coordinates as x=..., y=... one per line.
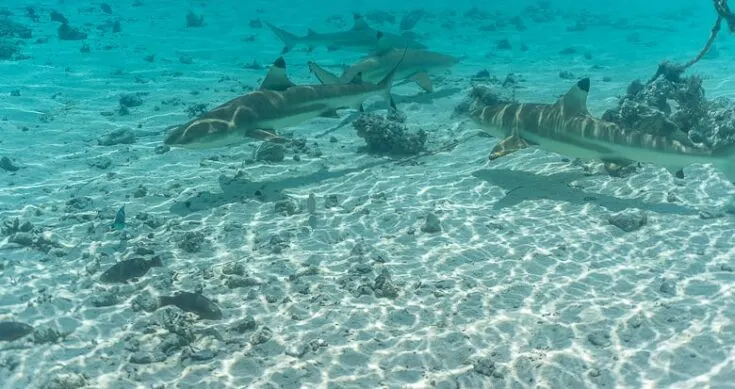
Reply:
x=387, y=82
x=289, y=40
x=324, y=76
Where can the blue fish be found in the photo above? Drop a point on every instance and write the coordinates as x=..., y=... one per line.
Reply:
x=119, y=222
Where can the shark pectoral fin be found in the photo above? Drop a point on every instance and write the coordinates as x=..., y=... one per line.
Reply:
x=277, y=79
x=330, y=114
x=615, y=167
x=424, y=81
x=507, y=146
x=266, y=135
x=325, y=77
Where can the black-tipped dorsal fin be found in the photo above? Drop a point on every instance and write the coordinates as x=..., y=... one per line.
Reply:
x=382, y=44
x=277, y=79
x=359, y=22
x=574, y=102
x=357, y=79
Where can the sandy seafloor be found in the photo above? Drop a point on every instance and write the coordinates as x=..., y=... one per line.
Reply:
x=528, y=285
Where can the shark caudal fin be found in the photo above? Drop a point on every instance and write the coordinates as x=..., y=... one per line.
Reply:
x=574, y=102
x=289, y=40
x=325, y=77
x=387, y=82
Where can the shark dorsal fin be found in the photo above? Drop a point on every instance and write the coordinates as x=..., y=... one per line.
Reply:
x=325, y=77
x=574, y=102
x=277, y=79
x=359, y=22
x=310, y=32
x=357, y=79
x=382, y=44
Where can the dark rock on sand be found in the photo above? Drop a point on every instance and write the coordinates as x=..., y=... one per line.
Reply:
x=270, y=152
x=11, y=29
x=629, y=220
x=117, y=137
x=389, y=135
x=129, y=269
x=194, y=303
x=8, y=165
x=431, y=224
x=13, y=330
x=57, y=16
x=69, y=33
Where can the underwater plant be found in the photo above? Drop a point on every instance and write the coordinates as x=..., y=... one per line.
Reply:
x=672, y=72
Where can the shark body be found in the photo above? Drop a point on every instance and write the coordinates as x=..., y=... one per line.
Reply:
x=361, y=37
x=416, y=66
x=566, y=127
x=278, y=103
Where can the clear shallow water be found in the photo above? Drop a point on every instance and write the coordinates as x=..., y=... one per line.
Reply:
x=527, y=283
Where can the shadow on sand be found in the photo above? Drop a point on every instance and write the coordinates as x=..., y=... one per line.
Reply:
x=237, y=189
x=521, y=186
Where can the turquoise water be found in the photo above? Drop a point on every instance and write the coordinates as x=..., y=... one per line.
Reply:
x=362, y=249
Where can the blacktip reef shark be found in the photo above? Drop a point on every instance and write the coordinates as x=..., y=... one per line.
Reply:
x=566, y=127
x=278, y=103
x=416, y=66
x=361, y=37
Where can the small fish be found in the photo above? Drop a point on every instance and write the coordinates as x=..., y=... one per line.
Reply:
x=13, y=330
x=311, y=203
x=119, y=222
x=194, y=303
x=129, y=269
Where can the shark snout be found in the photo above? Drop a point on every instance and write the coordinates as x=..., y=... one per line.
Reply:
x=179, y=137
x=174, y=136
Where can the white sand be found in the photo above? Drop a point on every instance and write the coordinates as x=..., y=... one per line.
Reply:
x=527, y=284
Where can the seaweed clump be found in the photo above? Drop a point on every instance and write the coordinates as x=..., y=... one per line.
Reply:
x=9, y=30
x=676, y=108
x=8, y=50
x=480, y=96
x=389, y=134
